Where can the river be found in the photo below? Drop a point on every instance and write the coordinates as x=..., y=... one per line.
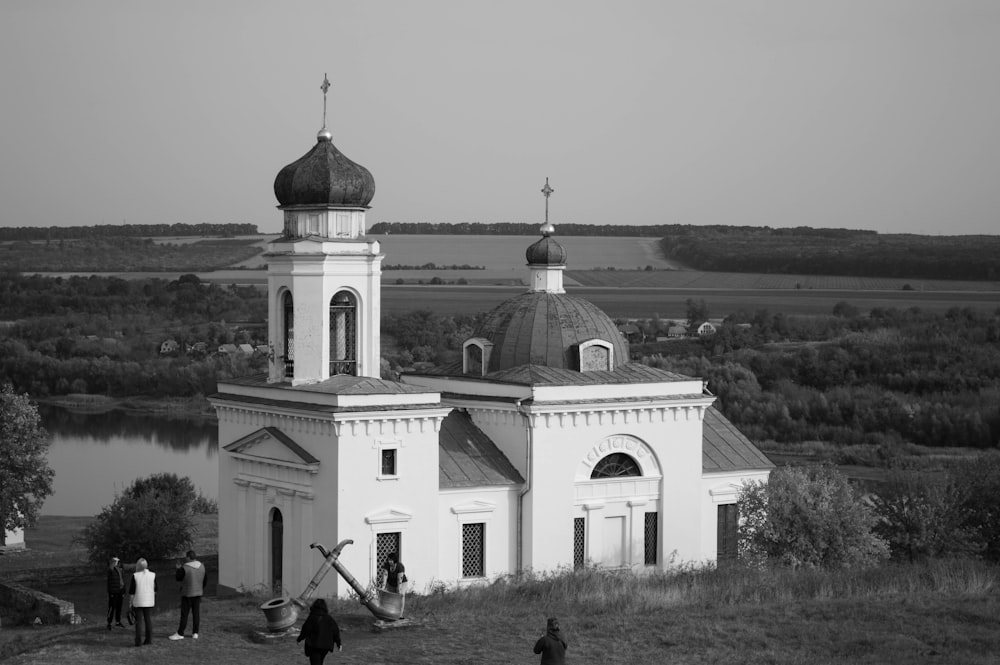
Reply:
x=96, y=455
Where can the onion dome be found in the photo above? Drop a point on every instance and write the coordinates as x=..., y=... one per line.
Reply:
x=547, y=251
x=542, y=328
x=324, y=176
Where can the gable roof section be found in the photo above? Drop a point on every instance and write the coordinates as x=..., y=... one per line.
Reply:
x=271, y=444
x=725, y=448
x=468, y=458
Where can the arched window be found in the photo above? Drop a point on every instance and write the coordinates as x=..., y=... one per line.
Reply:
x=344, y=334
x=277, y=548
x=616, y=465
x=288, y=352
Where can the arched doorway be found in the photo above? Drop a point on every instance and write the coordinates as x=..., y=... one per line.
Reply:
x=617, y=492
x=277, y=542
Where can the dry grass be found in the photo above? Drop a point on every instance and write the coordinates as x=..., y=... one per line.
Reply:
x=942, y=612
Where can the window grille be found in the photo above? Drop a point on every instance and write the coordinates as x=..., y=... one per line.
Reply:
x=386, y=543
x=651, y=533
x=289, y=348
x=473, y=549
x=616, y=465
x=388, y=461
x=579, y=541
x=343, y=334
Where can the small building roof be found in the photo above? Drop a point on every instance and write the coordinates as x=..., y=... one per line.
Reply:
x=725, y=448
x=468, y=458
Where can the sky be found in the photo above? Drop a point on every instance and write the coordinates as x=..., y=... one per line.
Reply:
x=862, y=114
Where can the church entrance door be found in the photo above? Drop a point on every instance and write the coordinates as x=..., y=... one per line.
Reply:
x=277, y=543
x=613, y=552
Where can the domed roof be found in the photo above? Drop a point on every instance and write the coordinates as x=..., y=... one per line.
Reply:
x=543, y=328
x=324, y=176
x=547, y=251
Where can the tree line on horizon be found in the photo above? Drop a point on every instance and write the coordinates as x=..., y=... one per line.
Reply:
x=226, y=229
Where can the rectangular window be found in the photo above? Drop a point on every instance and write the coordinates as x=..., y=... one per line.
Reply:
x=579, y=542
x=474, y=549
x=651, y=537
x=726, y=542
x=385, y=544
x=388, y=461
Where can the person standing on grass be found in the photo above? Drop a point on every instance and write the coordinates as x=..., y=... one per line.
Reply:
x=320, y=632
x=142, y=599
x=393, y=573
x=192, y=576
x=116, y=591
x=552, y=645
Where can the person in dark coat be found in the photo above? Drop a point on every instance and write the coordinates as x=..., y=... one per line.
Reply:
x=552, y=645
x=116, y=591
x=320, y=632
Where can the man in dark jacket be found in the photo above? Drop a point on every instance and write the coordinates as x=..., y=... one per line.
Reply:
x=552, y=646
x=116, y=591
x=192, y=576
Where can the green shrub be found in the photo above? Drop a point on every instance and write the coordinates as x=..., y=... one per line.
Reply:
x=152, y=518
x=807, y=517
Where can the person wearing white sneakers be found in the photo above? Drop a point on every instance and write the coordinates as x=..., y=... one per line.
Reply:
x=192, y=576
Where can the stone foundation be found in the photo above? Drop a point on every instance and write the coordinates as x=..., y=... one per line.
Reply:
x=21, y=605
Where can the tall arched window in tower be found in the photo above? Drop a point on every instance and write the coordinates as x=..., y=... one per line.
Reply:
x=344, y=334
x=288, y=349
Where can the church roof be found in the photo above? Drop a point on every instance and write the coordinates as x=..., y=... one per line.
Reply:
x=725, y=448
x=468, y=458
x=340, y=384
x=535, y=375
x=543, y=328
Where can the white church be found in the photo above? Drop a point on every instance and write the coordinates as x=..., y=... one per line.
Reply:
x=546, y=447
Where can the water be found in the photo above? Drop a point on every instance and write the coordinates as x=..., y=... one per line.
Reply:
x=95, y=455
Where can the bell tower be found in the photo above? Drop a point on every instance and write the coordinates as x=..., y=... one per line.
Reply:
x=324, y=274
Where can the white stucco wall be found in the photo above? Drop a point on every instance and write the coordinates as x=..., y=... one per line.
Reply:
x=494, y=507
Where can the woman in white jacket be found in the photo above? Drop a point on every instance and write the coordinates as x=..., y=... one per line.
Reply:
x=142, y=598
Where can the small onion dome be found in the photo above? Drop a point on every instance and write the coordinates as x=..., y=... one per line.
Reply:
x=547, y=251
x=541, y=328
x=324, y=176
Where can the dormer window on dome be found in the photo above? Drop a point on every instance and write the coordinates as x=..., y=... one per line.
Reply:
x=596, y=355
x=476, y=356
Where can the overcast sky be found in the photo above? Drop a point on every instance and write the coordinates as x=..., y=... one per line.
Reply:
x=872, y=114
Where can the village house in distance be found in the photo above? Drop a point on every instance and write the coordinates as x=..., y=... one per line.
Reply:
x=545, y=447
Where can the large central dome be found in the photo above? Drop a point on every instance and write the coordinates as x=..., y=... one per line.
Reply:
x=540, y=328
x=324, y=176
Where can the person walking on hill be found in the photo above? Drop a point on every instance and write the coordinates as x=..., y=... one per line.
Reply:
x=192, y=575
x=320, y=632
x=142, y=593
x=552, y=645
x=116, y=591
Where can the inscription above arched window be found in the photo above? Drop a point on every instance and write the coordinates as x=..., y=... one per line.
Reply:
x=616, y=465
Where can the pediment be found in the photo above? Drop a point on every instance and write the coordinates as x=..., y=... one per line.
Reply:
x=388, y=515
x=272, y=445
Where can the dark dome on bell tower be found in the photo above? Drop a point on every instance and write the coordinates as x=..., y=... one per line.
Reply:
x=324, y=176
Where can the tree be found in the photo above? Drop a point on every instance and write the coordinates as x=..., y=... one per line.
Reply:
x=807, y=516
x=922, y=515
x=152, y=518
x=697, y=311
x=25, y=475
